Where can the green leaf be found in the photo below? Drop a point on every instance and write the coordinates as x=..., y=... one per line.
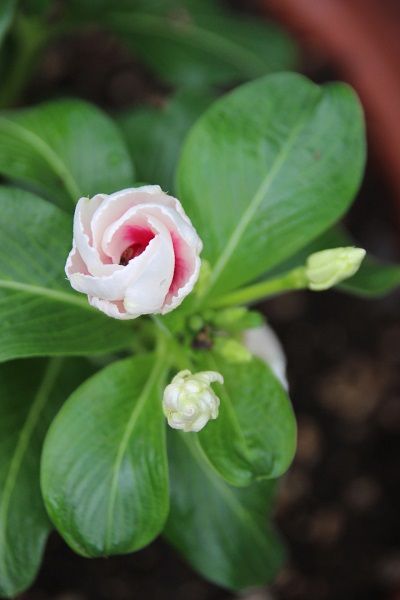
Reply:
x=37, y=7
x=90, y=9
x=254, y=436
x=222, y=531
x=107, y=492
x=30, y=395
x=333, y=237
x=374, y=279
x=64, y=150
x=7, y=10
x=266, y=169
x=40, y=313
x=154, y=136
x=187, y=43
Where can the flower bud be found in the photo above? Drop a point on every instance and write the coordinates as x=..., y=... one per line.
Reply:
x=327, y=268
x=232, y=350
x=189, y=402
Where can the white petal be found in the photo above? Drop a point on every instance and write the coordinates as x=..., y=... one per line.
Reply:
x=150, y=196
x=83, y=236
x=187, y=246
x=113, y=242
x=209, y=376
x=75, y=263
x=181, y=376
x=112, y=287
x=263, y=342
x=111, y=309
x=157, y=256
x=198, y=423
x=146, y=293
x=174, y=300
x=117, y=204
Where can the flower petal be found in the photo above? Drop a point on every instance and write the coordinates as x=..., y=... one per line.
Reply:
x=111, y=309
x=96, y=263
x=263, y=342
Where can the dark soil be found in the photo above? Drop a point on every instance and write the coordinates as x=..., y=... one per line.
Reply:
x=338, y=505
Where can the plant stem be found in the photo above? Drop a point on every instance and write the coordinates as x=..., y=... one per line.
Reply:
x=292, y=280
x=179, y=357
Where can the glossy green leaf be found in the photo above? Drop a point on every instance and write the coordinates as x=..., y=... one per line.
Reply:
x=99, y=8
x=64, y=150
x=333, y=237
x=30, y=395
x=37, y=7
x=254, y=436
x=154, y=136
x=375, y=278
x=268, y=168
x=222, y=531
x=40, y=314
x=193, y=43
x=107, y=492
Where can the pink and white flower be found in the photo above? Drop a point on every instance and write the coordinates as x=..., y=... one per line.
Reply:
x=135, y=252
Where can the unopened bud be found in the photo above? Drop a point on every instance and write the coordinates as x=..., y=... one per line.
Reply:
x=232, y=350
x=327, y=268
x=189, y=402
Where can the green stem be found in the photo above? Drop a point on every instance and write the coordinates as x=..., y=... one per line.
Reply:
x=178, y=355
x=292, y=280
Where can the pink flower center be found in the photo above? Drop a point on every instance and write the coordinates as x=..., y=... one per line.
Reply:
x=140, y=239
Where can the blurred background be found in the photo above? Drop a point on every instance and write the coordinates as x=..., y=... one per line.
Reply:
x=338, y=505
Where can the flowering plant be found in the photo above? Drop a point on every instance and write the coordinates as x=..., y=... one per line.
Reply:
x=139, y=393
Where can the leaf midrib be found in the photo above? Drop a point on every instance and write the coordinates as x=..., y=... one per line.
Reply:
x=39, y=402
x=256, y=201
x=123, y=445
x=47, y=153
x=223, y=489
x=247, y=458
x=46, y=293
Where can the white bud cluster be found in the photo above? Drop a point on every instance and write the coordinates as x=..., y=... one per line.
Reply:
x=189, y=401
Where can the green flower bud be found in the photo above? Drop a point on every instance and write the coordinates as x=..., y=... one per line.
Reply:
x=196, y=323
x=327, y=268
x=232, y=350
x=230, y=315
x=236, y=319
